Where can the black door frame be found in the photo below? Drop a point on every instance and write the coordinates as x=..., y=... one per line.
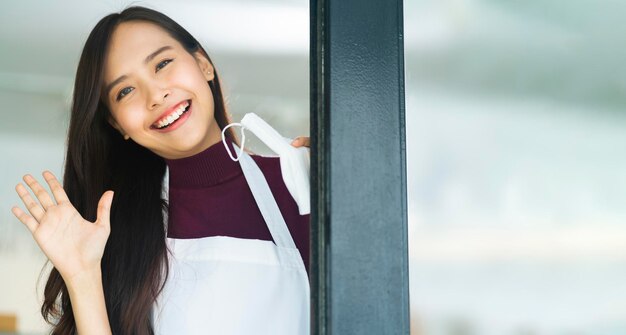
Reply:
x=359, y=245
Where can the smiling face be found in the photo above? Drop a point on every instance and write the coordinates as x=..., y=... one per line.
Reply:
x=158, y=93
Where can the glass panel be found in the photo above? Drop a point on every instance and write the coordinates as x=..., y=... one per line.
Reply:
x=516, y=182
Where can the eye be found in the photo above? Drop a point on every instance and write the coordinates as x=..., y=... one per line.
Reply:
x=123, y=93
x=163, y=63
x=127, y=90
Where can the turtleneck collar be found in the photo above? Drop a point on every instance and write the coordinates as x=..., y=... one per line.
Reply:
x=207, y=168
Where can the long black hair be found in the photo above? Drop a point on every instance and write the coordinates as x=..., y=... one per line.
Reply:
x=135, y=260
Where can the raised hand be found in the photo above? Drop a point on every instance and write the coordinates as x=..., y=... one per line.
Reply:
x=73, y=245
x=301, y=141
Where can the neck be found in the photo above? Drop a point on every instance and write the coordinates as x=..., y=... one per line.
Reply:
x=209, y=167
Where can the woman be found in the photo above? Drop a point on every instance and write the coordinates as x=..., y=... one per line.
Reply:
x=147, y=98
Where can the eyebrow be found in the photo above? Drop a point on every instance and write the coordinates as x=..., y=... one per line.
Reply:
x=150, y=57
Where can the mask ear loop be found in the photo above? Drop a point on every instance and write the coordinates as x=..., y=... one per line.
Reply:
x=243, y=140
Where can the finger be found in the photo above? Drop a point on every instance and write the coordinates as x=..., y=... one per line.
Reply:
x=297, y=142
x=104, y=209
x=55, y=186
x=301, y=141
x=32, y=205
x=26, y=219
x=42, y=195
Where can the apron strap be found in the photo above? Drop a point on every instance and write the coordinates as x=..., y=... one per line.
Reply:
x=265, y=200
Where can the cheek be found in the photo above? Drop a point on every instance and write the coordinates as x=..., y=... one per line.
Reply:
x=189, y=76
x=132, y=120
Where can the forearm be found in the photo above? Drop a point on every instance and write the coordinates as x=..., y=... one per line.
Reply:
x=88, y=304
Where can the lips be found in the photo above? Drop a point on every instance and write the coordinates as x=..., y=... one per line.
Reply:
x=171, y=115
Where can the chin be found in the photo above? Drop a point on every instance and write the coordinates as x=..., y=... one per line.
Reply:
x=193, y=144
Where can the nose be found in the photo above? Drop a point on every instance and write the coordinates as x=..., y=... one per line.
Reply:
x=157, y=97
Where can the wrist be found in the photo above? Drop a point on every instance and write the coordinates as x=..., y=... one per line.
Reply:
x=88, y=302
x=84, y=280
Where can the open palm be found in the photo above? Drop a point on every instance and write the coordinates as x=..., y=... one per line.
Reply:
x=70, y=242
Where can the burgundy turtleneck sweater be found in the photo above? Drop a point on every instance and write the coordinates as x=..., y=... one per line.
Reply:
x=209, y=196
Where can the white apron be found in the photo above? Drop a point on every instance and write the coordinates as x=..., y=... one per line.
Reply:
x=225, y=285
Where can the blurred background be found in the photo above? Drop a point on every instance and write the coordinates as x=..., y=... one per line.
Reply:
x=516, y=134
x=515, y=146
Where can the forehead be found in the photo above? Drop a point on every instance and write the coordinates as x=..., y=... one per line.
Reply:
x=130, y=43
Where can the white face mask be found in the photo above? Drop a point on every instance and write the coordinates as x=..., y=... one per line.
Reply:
x=294, y=162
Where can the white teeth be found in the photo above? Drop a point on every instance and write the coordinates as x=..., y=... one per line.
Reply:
x=172, y=117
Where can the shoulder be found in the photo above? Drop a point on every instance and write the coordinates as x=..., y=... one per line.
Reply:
x=272, y=171
x=270, y=166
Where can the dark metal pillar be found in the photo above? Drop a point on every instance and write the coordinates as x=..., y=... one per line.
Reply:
x=359, y=256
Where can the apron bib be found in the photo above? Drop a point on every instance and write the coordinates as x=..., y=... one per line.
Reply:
x=226, y=285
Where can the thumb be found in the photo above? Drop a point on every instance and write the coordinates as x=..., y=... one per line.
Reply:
x=104, y=209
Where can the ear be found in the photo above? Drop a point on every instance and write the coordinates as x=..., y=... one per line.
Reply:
x=205, y=66
x=114, y=123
